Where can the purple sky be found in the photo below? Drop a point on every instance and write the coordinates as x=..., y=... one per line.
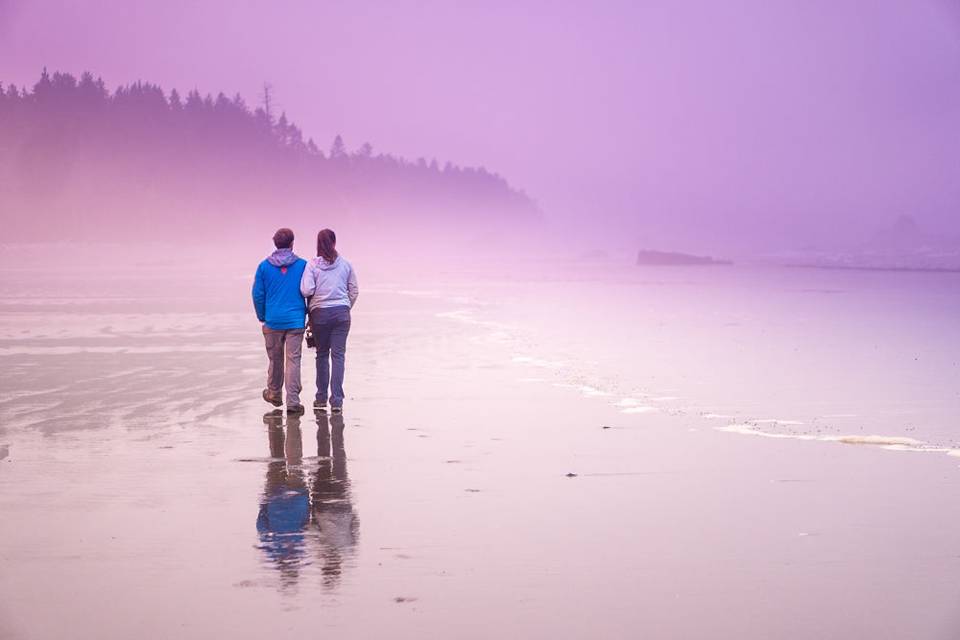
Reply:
x=655, y=122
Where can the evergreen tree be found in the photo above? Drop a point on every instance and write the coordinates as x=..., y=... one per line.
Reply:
x=262, y=122
x=283, y=129
x=239, y=104
x=365, y=151
x=41, y=90
x=176, y=104
x=338, y=150
x=92, y=91
x=222, y=104
x=63, y=83
x=294, y=137
x=194, y=102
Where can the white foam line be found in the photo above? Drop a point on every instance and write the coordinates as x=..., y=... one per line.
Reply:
x=593, y=392
x=475, y=302
x=216, y=348
x=878, y=440
x=890, y=443
x=905, y=447
x=419, y=293
x=749, y=430
x=462, y=316
x=638, y=410
x=466, y=317
x=778, y=421
x=536, y=362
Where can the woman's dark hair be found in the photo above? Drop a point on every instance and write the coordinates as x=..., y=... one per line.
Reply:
x=327, y=245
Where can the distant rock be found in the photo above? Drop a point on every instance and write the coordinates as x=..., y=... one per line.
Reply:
x=670, y=258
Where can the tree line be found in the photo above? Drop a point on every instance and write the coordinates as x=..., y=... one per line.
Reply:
x=76, y=151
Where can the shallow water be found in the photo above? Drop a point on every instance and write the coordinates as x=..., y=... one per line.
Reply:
x=507, y=464
x=790, y=352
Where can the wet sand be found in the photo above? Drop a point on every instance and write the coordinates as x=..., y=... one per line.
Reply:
x=146, y=491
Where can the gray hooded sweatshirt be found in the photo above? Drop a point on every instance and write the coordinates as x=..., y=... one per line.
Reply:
x=329, y=284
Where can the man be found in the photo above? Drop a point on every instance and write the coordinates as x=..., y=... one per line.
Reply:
x=281, y=309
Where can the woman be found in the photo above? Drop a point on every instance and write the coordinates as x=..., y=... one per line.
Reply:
x=330, y=285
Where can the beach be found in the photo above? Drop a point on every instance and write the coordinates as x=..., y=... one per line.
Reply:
x=508, y=464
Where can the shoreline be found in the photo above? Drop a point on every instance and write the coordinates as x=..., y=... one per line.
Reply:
x=646, y=401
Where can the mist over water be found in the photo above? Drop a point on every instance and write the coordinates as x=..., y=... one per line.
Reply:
x=696, y=127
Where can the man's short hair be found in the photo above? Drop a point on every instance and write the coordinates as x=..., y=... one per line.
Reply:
x=283, y=238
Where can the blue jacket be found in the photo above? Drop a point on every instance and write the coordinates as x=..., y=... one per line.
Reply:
x=276, y=291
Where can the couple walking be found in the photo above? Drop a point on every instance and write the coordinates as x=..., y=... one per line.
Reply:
x=286, y=289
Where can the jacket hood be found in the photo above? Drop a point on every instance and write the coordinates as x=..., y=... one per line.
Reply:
x=282, y=258
x=322, y=264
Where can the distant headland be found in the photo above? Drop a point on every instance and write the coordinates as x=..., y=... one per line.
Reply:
x=673, y=259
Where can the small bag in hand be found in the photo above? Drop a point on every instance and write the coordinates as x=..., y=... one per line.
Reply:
x=308, y=332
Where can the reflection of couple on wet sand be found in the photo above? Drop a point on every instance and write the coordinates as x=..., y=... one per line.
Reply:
x=286, y=289
x=297, y=513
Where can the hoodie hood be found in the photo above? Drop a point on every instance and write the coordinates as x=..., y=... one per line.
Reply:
x=323, y=265
x=282, y=258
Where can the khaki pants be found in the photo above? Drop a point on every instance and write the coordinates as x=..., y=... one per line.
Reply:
x=283, y=350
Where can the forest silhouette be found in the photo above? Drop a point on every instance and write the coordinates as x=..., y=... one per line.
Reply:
x=78, y=159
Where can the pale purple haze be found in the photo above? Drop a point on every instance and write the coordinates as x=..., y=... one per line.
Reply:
x=680, y=123
x=556, y=424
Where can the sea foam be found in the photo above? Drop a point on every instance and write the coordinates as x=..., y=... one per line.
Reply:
x=879, y=440
x=890, y=443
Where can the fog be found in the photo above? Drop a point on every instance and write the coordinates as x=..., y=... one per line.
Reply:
x=656, y=335
x=715, y=126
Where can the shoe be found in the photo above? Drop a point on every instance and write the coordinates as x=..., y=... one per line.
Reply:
x=320, y=406
x=336, y=409
x=295, y=410
x=274, y=401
